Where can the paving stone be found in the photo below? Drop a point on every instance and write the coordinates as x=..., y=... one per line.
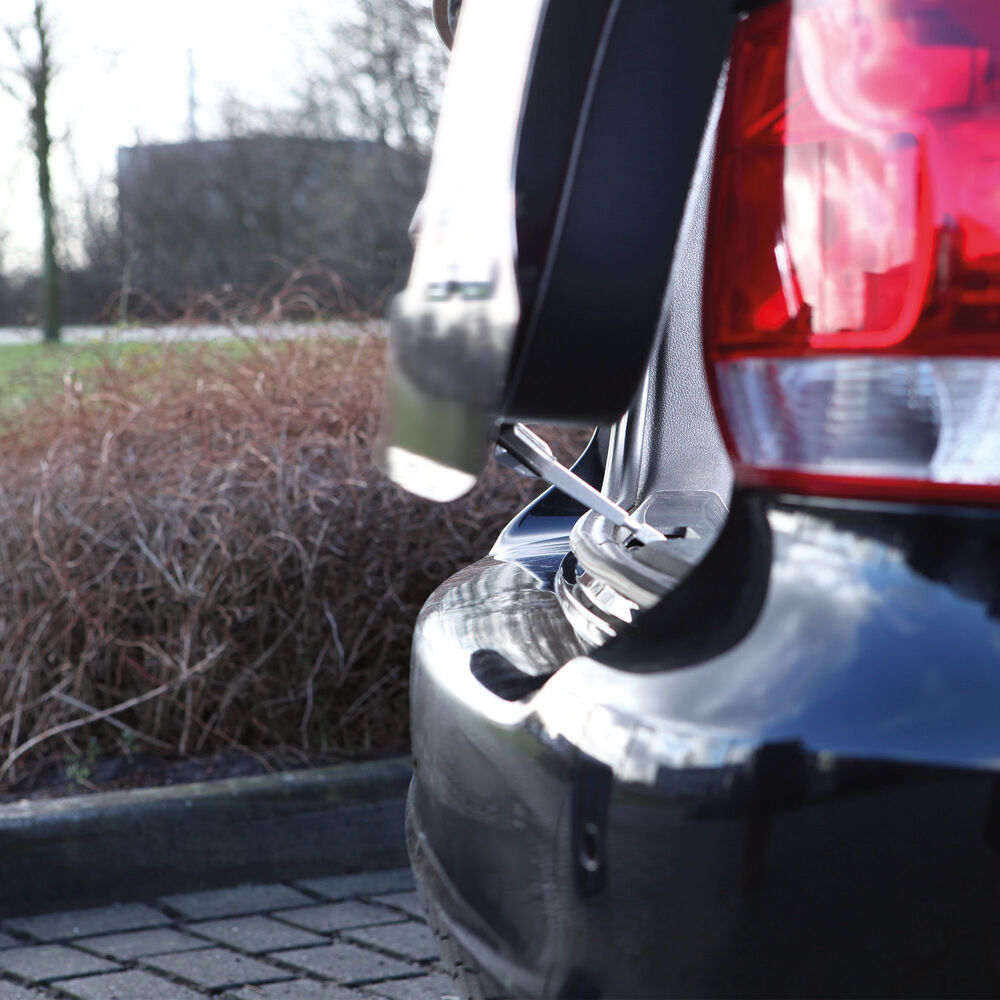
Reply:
x=136, y=944
x=45, y=962
x=235, y=902
x=11, y=991
x=411, y=941
x=338, y=916
x=130, y=985
x=86, y=923
x=257, y=934
x=408, y=901
x=299, y=989
x=347, y=964
x=215, y=968
x=436, y=986
x=362, y=884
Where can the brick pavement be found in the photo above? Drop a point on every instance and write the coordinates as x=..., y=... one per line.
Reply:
x=352, y=936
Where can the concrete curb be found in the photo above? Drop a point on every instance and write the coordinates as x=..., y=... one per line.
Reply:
x=121, y=846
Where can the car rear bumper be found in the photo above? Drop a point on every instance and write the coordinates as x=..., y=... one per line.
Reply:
x=781, y=781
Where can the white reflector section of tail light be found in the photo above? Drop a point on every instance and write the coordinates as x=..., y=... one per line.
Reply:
x=852, y=281
x=931, y=419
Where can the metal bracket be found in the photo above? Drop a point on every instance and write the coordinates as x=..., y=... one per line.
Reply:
x=532, y=456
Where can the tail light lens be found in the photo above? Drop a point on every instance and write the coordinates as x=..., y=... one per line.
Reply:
x=852, y=293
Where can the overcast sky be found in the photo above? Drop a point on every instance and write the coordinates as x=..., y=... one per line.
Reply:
x=124, y=78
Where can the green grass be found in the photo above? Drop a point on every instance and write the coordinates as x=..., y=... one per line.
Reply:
x=30, y=370
x=53, y=359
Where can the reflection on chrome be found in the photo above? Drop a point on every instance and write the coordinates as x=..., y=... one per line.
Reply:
x=607, y=580
x=795, y=671
x=619, y=735
x=452, y=330
x=824, y=587
x=801, y=667
x=425, y=477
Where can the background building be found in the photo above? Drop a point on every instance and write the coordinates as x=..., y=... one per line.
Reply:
x=244, y=215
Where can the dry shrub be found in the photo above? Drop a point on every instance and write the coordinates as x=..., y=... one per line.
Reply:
x=198, y=551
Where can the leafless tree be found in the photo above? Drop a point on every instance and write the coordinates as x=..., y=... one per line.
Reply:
x=379, y=77
x=29, y=81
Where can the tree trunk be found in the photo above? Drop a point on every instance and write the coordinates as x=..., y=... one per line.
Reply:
x=41, y=78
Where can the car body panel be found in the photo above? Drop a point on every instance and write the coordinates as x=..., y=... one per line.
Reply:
x=805, y=800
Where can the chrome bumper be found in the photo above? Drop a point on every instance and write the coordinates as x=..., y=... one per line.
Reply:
x=798, y=799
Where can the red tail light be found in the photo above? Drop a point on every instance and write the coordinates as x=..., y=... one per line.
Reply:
x=852, y=293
